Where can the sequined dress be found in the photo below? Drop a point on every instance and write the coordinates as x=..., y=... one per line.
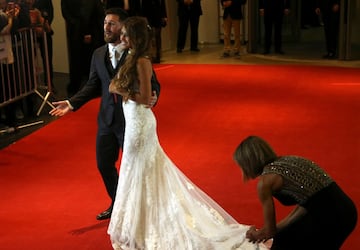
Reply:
x=330, y=216
x=157, y=207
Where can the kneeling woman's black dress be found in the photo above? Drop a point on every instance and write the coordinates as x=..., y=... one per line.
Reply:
x=331, y=215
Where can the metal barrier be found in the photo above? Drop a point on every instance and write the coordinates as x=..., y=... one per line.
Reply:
x=20, y=76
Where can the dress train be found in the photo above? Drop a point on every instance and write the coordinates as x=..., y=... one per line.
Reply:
x=157, y=207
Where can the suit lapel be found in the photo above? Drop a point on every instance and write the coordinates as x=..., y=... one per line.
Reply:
x=108, y=64
x=122, y=59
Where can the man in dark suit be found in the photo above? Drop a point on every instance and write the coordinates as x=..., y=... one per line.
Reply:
x=111, y=121
x=84, y=20
x=188, y=11
x=155, y=13
x=273, y=12
x=330, y=13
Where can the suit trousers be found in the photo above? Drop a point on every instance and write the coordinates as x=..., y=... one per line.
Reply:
x=276, y=21
x=183, y=26
x=109, y=142
x=156, y=42
x=331, y=29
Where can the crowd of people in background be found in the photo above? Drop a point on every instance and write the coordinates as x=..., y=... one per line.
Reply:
x=84, y=30
x=84, y=21
x=84, y=33
x=15, y=16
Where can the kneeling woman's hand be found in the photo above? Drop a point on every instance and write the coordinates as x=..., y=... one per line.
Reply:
x=256, y=236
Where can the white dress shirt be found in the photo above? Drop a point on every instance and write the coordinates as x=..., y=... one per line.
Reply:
x=115, y=54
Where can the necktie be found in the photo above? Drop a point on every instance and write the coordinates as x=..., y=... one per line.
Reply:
x=114, y=61
x=114, y=58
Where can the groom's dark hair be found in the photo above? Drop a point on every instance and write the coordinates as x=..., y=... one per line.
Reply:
x=121, y=13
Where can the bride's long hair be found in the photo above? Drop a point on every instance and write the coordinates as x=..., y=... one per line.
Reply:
x=139, y=33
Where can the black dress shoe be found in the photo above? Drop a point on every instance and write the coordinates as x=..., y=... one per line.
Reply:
x=195, y=49
x=178, y=50
x=279, y=51
x=104, y=215
x=329, y=55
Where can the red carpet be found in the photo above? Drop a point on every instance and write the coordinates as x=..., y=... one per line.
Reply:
x=51, y=190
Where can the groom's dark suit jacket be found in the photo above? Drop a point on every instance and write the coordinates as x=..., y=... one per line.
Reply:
x=101, y=73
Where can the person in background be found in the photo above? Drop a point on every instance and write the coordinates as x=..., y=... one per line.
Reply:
x=7, y=16
x=156, y=205
x=46, y=9
x=123, y=4
x=232, y=17
x=323, y=217
x=330, y=14
x=38, y=22
x=22, y=20
x=308, y=16
x=188, y=11
x=106, y=61
x=84, y=33
x=155, y=13
x=41, y=27
x=14, y=112
x=273, y=12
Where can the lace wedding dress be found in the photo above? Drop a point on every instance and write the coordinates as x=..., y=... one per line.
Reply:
x=157, y=207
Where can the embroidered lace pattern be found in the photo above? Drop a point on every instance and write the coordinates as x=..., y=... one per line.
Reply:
x=157, y=207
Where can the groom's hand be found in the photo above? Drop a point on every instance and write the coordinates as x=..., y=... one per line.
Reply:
x=153, y=100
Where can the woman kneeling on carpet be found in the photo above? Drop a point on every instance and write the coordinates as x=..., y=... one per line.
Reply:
x=157, y=207
x=324, y=215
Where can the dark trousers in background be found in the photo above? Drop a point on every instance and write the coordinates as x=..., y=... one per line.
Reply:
x=331, y=29
x=79, y=59
x=183, y=26
x=275, y=22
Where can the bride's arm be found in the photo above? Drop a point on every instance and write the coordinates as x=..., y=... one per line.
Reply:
x=144, y=70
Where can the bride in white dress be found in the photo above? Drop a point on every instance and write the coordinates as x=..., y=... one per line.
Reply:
x=157, y=207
